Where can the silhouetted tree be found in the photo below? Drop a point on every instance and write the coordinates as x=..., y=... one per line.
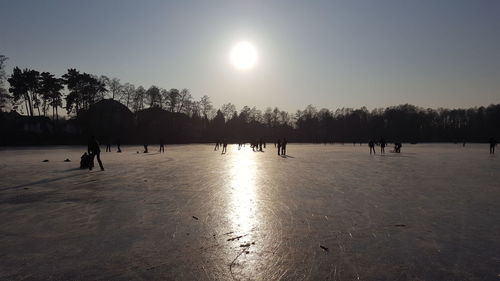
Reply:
x=228, y=110
x=50, y=90
x=184, y=101
x=84, y=90
x=138, y=101
x=114, y=88
x=127, y=94
x=24, y=86
x=172, y=100
x=153, y=97
x=206, y=107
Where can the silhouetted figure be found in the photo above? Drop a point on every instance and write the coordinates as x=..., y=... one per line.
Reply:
x=94, y=151
x=383, y=143
x=397, y=147
x=261, y=143
x=216, y=145
x=162, y=146
x=145, y=148
x=371, y=144
x=279, y=146
x=283, y=147
x=108, y=146
x=493, y=144
x=118, y=144
x=84, y=161
x=224, y=148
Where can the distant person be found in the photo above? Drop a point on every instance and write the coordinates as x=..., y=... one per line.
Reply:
x=94, y=151
x=261, y=143
x=283, y=147
x=278, y=143
x=145, y=148
x=383, y=143
x=371, y=144
x=216, y=145
x=162, y=146
x=118, y=144
x=224, y=148
x=493, y=144
x=108, y=146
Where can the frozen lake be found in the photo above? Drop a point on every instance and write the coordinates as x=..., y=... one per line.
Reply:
x=327, y=212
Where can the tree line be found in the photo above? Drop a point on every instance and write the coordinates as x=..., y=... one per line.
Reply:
x=43, y=94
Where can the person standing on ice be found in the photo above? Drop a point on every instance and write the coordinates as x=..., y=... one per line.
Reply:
x=118, y=145
x=108, y=146
x=162, y=146
x=283, y=147
x=279, y=147
x=383, y=143
x=94, y=150
x=371, y=144
x=224, y=147
x=493, y=144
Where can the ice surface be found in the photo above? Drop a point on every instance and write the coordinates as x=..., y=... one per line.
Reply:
x=429, y=213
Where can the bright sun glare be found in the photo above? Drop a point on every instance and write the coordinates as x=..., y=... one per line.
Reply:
x=243, y=55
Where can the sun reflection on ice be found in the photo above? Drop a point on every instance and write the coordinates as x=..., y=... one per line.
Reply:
x=243, y=191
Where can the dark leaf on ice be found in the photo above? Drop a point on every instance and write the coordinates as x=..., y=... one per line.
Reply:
x=323, y=247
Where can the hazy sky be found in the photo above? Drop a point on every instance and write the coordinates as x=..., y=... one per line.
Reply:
x=331, y=54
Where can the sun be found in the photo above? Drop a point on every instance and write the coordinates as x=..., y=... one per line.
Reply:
x=243, y=56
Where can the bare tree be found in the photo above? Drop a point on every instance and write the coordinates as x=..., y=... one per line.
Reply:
x=228, y=110
x=268, y=117
x=153, y=96
x=138, y=99
x=114, y=88
x=184, y=99
x=104, y=80
x=206, y=106
x=127, y=94
x=173, y=99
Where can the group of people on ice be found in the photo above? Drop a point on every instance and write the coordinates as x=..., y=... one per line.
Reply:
x=218, y=144
x=94, y=151
x=383, y=145
x=281, y=145
x=256, y=145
